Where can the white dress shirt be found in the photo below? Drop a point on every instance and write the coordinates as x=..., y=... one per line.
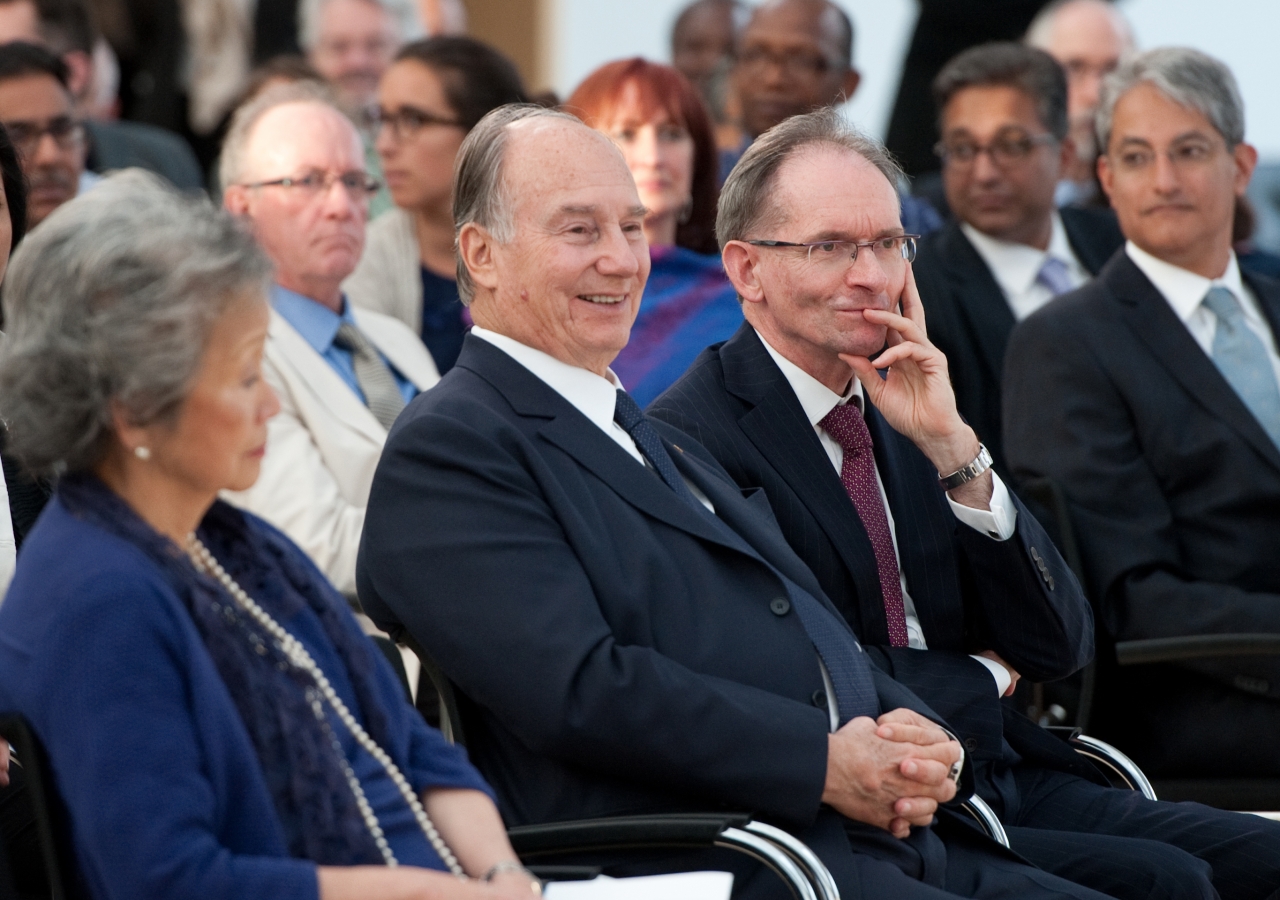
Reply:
x=592, y=395
x=1184, y=290
x=999, y=523
x=1015, y=266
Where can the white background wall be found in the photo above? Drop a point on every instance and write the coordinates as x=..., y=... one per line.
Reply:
x=1243, y=33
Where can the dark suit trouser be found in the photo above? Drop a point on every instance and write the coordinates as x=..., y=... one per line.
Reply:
x=951, y=860
x=1138, y=848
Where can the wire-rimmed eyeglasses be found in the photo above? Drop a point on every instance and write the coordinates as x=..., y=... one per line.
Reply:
x=835, y=256
x=358, y=185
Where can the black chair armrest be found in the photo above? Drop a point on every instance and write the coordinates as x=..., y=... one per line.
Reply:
x=674, y=830
x=1196, y=646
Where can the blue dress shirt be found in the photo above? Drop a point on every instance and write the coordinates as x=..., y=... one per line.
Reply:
x=318, y=326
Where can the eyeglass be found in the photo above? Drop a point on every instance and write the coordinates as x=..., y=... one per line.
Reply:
x=796, y=64
x=66, y=132
x=1005, y=150
x=359, y=186
x=836, y=257
x=409, y=120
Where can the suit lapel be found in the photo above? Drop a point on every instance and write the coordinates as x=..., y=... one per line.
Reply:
x=313, y=374
x=1155, y=324
x=981, y=300
x=779, y=429
x=571, y=431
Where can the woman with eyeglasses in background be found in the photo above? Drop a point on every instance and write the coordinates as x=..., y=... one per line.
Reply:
x=434, y=93
x=659, y=122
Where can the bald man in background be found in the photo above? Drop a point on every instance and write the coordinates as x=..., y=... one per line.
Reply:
x=1088, y=38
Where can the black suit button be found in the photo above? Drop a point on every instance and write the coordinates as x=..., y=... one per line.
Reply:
x=820, y=699
x=1049, y=579
x=970, y=744
x=780, y=606
x=1036, y=556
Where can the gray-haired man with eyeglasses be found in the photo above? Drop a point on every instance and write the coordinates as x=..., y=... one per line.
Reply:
x=1153, y=396
x=833, y=401
x=293, y=168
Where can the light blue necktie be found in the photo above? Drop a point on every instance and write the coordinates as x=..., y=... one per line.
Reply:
x=1242, y=359
x=1054, y=275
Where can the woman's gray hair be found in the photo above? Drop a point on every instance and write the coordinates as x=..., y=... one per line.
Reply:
x=480, y=192
x=109, y=303
x=231, y=163
x=745, y=199
x=1187, y=77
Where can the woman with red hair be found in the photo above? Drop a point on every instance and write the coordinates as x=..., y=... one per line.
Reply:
x=658, y=121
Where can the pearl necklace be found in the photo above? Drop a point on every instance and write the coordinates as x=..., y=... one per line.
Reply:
x=317, y=696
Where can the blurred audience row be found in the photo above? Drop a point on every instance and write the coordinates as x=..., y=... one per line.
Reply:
x=1082, y=266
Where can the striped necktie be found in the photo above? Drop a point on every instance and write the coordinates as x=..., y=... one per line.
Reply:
x=381, y=393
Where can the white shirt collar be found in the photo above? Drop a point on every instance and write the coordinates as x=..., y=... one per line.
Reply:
x=1015, y=266
x=1183, y=289
x=591, y=395
x=816, y=399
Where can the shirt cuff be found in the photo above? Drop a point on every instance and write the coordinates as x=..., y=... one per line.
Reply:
x=999, y=522
x=998, y=672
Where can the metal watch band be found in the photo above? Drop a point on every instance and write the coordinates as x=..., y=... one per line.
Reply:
x=965, y=474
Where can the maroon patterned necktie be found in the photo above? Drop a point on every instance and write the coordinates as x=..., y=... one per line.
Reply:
x=858, y=474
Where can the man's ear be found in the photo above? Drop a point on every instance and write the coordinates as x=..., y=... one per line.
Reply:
x=849, y=84
x=741, y=263
x=235, y=200
x=1067, y=155
x=79, y=74
x=1105, y=174
x=1246, y=159
x=476, y=248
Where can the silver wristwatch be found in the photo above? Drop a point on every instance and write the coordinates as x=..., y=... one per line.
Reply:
x=965, y=474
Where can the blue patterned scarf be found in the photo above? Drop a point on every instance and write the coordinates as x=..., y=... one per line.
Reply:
x=303, y=772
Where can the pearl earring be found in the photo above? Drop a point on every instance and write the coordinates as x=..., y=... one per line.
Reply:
x=143, y=453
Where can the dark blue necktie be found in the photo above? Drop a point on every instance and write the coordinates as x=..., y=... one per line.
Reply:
x=626, y=412
x=846, y=663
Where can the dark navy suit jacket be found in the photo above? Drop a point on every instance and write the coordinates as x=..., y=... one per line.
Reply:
x=971, y=592
x=612, y=651
x=970, y=320
x=1174, y=491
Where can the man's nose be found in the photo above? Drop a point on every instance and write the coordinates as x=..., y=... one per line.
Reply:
x=46, y=152
x=984, y=167
x=339, y=202
x=618, y=254
x=1166, y=174
x=867, y=272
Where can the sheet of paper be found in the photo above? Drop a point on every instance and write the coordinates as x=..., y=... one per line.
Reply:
x=677, y=886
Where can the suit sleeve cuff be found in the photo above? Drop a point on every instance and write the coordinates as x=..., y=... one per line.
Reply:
x=999, y=522
x=998, y=672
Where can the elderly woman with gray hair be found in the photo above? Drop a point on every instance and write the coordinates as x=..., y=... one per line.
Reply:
x=216, y=722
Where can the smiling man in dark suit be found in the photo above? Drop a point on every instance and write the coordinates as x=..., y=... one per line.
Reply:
x=884, y=491
x=1153, y=396
x=1003, y=119
x=627, y=630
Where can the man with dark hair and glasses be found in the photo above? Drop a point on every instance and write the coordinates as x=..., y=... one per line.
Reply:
x=834, y=402
x=1008, y=251
x=37, y=110
x=795, y=56
x=293, y=168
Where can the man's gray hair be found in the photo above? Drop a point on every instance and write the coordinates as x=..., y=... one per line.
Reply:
x=231, y=164
x=110, y=303
x=746, y=198
x=1040, y=31
x=480, y=193
x=1187, y=77
x=403, y=13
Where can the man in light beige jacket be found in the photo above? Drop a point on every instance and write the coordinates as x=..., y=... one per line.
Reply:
x=293, y=169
